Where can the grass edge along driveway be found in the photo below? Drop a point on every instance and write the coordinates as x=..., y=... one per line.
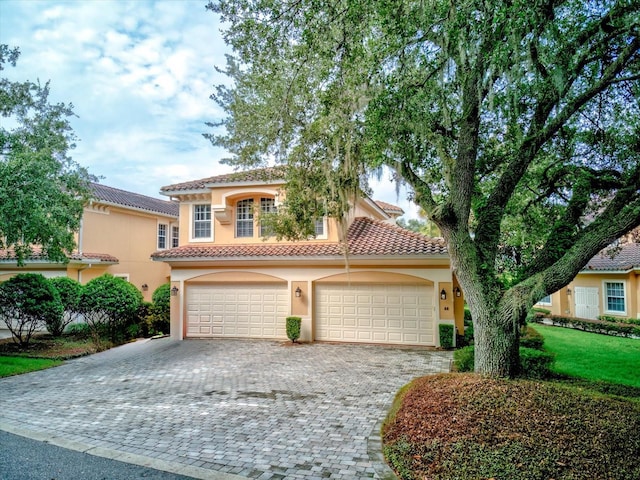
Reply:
x=10, y=365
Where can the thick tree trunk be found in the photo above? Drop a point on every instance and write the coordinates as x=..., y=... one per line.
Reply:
x=496, y=342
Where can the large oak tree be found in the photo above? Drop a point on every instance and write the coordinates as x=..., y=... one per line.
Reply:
x=515, y=123
x=42, y=190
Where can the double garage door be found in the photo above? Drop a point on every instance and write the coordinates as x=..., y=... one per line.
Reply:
x=375, y=313
x=250, y=311
x=367, y=313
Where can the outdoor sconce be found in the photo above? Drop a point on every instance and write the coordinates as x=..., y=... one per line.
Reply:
x=443, y=294
x=298, y=292
x=174, y=291
x=457, y=291
x=145, y=287
x=568, y=291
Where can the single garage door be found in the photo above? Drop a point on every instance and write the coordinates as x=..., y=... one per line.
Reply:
x=249, y=311
x=375, y=313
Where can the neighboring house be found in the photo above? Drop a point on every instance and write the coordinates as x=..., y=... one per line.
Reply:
x=393, y=286
x=119, y=232
x=608, y=285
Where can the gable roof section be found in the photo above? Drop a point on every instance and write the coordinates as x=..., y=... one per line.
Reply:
x=389, y=208
x=623, y=258
x=366, y=237
x=122, y=198
x=260, y=175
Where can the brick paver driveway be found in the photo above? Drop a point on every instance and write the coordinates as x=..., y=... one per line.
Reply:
x=222, y=408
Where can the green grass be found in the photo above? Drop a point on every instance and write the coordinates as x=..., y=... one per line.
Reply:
x=18, y=365
x=593, y=356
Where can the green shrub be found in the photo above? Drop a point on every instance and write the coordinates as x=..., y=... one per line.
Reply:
x=110, y=303
x=70, y=292
x=535, y=363
x=612, y=319
x=293, y=328
x=597, y=326
x=159, y=319
x=446, y=335
x=28, y=301
x=463, y=359
x=467, y=316
x=529, y=338
x=81, y=330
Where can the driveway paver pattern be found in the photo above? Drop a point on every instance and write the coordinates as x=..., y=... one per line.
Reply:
x=252, y=408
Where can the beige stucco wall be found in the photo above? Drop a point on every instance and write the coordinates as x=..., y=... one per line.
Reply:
x=563, y=301
x=223, y=202
x=129, y=236
x=305, y=278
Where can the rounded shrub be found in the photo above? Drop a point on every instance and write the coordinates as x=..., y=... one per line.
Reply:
x=110, y=304
x=70, y=292
x=28, y=301
x=463, y=359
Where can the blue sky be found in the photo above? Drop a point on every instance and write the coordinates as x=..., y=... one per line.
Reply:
x=139, y=74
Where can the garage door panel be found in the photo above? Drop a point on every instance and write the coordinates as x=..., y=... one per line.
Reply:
x=255, y=311
x=375, y=313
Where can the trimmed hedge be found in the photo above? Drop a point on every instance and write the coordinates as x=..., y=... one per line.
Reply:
x=594, y=326
x=293, y=328
x=446, y=335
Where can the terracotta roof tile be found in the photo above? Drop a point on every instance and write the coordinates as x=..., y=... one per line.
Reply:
x=115, y=196
x=365, y=237
x=8, y=255
x=389, y=208
x=261, y=174
x=623, y=258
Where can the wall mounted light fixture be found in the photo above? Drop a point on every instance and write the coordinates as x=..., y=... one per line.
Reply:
x=145, y=287
x=443, y=294
x=298, y=292
x=174, y=291
x=457, y=291
x=568, y=291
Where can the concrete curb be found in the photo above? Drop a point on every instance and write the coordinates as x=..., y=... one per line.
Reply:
x=140, y=460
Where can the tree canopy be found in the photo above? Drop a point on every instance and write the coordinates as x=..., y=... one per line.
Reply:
x=42, y=190
x=515, y=123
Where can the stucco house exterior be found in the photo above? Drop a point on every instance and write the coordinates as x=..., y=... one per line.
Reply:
x=608, y=285
x=119, y=232
x=393, y=287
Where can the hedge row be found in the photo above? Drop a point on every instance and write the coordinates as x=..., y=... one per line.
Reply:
x=595, y=326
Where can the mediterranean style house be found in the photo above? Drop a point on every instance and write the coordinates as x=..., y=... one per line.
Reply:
x=229, y=279
x=608, y=285
x=119, y=232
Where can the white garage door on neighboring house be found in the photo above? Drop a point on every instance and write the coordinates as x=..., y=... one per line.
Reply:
x=248, y=311
x=375, y=313
x=587, y=302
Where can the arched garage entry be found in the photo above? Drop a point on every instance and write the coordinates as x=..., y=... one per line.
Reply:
x=375, y=307
x=236, y=304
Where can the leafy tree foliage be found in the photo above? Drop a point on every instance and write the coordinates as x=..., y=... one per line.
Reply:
x=28, y=301
x=42, y=190
x=109, y=304
x=70, y=292
x=516, y=125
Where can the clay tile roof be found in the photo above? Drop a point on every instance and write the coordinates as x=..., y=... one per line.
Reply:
x=115, y=196
x=622, y=258
x=366, y=237
x=389, y=208
x=261, y=174
x=8, y=255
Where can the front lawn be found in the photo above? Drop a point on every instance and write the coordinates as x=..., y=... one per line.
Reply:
x=44, y=351
x=593, y=356
x=464, y=426
x=17, y=365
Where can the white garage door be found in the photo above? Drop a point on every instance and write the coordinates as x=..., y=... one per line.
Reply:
x=250, y=311
x=395, y=314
